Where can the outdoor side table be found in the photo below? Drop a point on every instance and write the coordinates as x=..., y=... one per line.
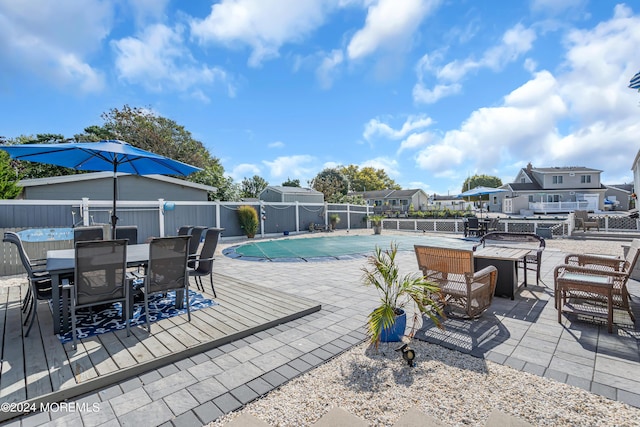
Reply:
x=595, y=284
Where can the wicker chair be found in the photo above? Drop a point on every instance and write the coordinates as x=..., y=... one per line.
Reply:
x=467, y=293
x=582, y=220
x=618, y=269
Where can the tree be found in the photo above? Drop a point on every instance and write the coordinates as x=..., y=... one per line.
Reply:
x=368, y=178
x=252, y=187
x=9, y=188
x=481, y=181
x=291, y=183
x=332, y=183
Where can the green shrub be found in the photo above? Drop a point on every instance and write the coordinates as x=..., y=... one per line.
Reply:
x=248, y=218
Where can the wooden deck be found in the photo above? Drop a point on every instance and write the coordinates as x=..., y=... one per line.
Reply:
x=41, y=369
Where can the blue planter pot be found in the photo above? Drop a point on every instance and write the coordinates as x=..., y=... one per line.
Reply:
x=396, y=331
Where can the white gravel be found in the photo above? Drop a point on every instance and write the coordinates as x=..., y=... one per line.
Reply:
x=454, y=388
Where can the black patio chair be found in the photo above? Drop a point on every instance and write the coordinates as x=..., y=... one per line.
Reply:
x=194, y=243
x=202, y=264
x=128, y=232
x=167, y=270
x=39, y=288
x=472, y=227
x=100, y=278
x=85, y=234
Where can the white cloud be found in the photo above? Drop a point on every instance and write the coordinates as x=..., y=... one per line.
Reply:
x=515, y=42
x=276, y=144
x=297, y=166
x=31, y=40
x=262, y=25
x=554, y=7
x=244, y=170
x=159, y=60
x=416, y=140
x=390, y=24
x=329, y=67
x=390, y=166
x=375, y=127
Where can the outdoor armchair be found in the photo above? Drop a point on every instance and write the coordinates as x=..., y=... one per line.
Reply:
x=466, y=292
x=583, y=221
x=472, y=227
x=619, y=269
x=128, y=232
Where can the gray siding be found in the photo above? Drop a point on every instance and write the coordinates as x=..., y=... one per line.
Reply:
x=130, y=187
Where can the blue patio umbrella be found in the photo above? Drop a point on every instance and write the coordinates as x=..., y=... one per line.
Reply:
x=108, y=155
x=634, y=83
x=481, y=191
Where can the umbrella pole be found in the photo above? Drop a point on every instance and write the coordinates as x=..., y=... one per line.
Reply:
x=114, y=218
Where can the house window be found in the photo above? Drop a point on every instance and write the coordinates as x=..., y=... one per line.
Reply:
x=495, y=200
x=378, y=203
x=557, y=179
x=523, y=181
x=585, y=179
x=404, y=202
x=553, y=198
x=530, y=198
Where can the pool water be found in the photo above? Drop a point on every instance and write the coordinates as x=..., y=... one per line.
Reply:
x=334, y=247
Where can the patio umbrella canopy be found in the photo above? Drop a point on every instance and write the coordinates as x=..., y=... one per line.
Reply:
x=634, y=83
x=108, y=155
x=481, y=191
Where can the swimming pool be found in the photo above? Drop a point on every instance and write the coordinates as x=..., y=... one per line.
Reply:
x=331, y=248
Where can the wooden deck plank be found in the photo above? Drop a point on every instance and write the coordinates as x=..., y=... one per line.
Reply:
x=99, y=356
x=57, y=361
x=4, y=297
x=12, y=380
x=37, y=379
x=112, y=357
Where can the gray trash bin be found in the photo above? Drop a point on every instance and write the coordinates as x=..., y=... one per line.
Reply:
x=544, y=231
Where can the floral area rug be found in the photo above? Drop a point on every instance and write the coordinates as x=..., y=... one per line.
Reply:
x=110, y=319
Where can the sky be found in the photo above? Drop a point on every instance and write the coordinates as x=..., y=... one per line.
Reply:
x=431, y=91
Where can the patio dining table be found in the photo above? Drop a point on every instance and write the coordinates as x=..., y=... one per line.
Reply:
x=62, y=262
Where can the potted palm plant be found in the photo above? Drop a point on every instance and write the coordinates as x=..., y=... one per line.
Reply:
x=388, y=321
x=376, y=223
x=248, y=218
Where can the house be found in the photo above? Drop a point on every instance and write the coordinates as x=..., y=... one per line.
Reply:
x=99, y=186
x=635, y=167
x=449, y=202
x=617, y=197
x=394, y=200
x=278, y=193
x=551, y=190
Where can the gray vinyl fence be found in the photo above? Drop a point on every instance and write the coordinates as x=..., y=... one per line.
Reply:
x=157, y=218
x=160, y=218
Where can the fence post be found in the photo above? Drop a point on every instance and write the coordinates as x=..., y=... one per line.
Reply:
x=161, y=216
x=85, y=211
x=262, y=216
x=348, y=216
x=326, y=214
x=217, y=202
x=297, y=216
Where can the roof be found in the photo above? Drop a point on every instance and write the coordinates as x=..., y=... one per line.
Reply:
x=385, y=194
x=524, y=186
x=292, y=190
x=557, y=169
x=36, y=182
x=622, y=187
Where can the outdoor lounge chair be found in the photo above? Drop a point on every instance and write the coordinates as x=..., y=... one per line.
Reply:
x=583, y=221
x=465, y=291
x=601, y=278
x=167, y=270
x=100, y=278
